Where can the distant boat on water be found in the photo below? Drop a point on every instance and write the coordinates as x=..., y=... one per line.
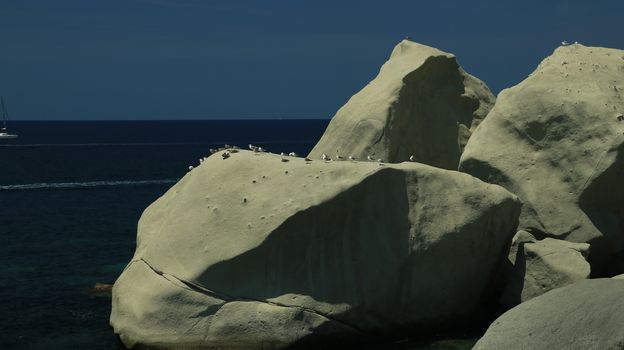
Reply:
x=4, y=134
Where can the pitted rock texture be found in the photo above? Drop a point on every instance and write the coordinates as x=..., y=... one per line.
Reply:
x=254, y=250
x=557, y=141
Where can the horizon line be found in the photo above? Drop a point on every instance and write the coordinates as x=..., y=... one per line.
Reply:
x=163, y=120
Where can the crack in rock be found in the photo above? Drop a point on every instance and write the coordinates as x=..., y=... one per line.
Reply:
x=229, y=298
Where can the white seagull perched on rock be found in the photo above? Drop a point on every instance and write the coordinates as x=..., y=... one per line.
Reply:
x=352, y=158
x=370, y=158
x=325, y=157
x=292, y=154
x=190, y=167
x=565, y=43
x=412, y=158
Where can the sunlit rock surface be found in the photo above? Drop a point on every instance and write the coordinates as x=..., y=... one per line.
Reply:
x=557, y=141
x=422, y=103
x=587, y=315
x=253, y=251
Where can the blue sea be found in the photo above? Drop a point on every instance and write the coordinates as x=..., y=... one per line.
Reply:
x=71, y=194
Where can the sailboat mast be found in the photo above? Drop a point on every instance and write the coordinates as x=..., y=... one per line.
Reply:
x=3, y=113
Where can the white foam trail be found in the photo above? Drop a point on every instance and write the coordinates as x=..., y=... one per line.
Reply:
x=109, y=144
x=87, y=184
x=142, y=144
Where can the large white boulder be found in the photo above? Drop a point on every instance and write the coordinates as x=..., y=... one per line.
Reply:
x=587, y=315
x=253, y=251
x=422, y=103
x=557, y=141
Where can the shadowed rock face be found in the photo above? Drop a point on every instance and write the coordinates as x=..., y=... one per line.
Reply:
x=252, y=251
x=421, y=103
x=556, y=141
x=587, y=315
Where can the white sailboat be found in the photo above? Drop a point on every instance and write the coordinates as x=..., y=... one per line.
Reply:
x=4, y=134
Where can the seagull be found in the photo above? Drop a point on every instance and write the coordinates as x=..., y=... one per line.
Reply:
x=201, y=160
x=190, y=167
x=370, y=158
x=565, y=43
x=339, y=157
x=325, y=157
x=282, y=154
x=352, y=158
x=212, y=150
x=292, y=154
x=308, y=159
x=380, y=160
x=227, y=146
x=412, y=158
x=260, y=149
x=252, y=147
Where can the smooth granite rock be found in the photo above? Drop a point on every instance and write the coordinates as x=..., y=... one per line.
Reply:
x=557, y=141
x=587, y=315
x=422, y=103
x=256, y=252
x=543, y=265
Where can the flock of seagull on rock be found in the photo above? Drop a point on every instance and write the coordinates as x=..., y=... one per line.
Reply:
x=566, y=43
x=257, y=149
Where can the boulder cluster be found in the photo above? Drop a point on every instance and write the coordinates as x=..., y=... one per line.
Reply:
x=426, y=201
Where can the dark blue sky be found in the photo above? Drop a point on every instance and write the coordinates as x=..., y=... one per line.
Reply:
x=201, y=59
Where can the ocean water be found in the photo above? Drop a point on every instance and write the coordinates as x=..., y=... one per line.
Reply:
x=71, y=194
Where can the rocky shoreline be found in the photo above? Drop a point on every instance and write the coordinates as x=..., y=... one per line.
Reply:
x=426, y=201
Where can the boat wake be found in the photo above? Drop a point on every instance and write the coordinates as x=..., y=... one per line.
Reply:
x=83, y=185
x=144, y=144
x=139, y=144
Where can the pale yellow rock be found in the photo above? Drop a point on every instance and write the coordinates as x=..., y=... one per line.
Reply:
x=587, y=315
x=366, y=250
x=157, y=310
x=421, y=103
x=556, y=141
x=542, y=265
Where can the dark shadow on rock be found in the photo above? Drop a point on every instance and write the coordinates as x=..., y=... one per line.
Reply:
x=345, y=251
x=425, y=122
x=512, y=295
x=602, y=201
